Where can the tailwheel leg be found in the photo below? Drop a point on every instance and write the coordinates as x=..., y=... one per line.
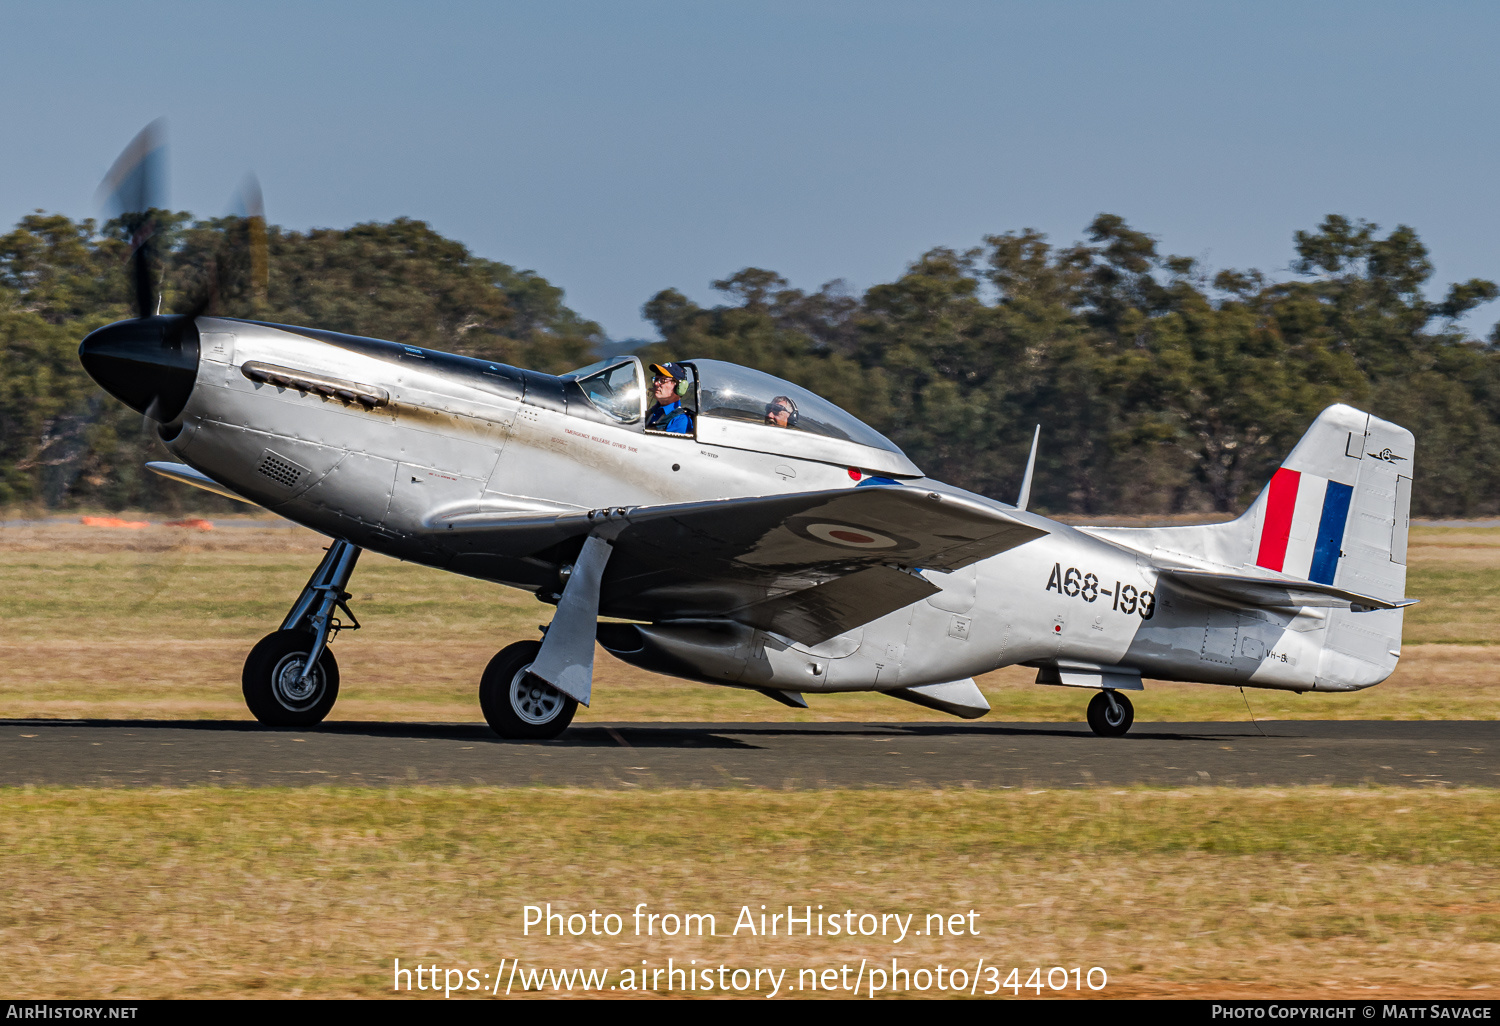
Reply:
x=1110, y=713
x=290, y=677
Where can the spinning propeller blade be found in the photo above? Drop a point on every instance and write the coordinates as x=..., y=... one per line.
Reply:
x=251, y=206
x=133, y=189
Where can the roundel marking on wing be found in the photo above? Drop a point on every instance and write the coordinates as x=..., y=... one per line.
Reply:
x=850, y=537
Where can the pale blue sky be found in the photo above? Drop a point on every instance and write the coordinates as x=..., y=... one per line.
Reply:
x=621, y=148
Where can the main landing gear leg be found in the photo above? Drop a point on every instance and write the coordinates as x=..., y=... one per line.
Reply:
x=1110, y=713
x=291, y=678
x=532, y=690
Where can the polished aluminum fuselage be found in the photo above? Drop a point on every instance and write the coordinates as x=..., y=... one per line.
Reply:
x=456, y=435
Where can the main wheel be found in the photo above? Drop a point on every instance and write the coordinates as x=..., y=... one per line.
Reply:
x=519, y=705
x=1110, y=722
x=273, y=686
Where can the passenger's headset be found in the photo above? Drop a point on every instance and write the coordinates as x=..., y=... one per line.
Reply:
x=786, y=402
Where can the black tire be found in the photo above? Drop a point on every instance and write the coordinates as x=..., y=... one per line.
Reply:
x=270, y=680
x=1110, y=723
x=518, y=705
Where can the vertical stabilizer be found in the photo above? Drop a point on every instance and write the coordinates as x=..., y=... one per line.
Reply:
x=1338, y=510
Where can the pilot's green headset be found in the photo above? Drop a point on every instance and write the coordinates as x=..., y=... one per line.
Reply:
x=677, y=372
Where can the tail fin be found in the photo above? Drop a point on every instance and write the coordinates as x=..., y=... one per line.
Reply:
x=1338, y=509
x=1336, y=513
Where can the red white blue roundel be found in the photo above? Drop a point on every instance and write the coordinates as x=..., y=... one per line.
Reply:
x=849, y=536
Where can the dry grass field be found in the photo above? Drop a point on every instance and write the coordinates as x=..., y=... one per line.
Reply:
x=215, y=892
x=155, y=623
x=1370, y=893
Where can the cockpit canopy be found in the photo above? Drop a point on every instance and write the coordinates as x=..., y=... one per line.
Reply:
x=741, y=408
x=746, y=409
x=613, y=387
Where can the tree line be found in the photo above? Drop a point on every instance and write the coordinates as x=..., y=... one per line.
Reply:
x=65, y=443
x=1160, y=387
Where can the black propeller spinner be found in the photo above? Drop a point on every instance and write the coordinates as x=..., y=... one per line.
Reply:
x=148, y=363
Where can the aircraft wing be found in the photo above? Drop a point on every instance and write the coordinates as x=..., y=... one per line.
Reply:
x=809, y=565
x=184, y=474
x=1275, y=591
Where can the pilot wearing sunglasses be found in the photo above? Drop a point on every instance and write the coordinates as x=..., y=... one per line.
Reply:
x=781, y=412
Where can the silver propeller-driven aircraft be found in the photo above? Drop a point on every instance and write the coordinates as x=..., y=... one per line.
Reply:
x=771, y=541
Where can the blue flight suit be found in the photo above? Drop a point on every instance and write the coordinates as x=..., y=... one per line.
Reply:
x=672, y=417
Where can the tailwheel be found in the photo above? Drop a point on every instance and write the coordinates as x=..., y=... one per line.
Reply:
x=1110, y=714
x=277, y=690
x=518, y=704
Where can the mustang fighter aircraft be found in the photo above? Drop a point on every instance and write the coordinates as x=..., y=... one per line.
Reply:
x=771, y=542
x=808, y=558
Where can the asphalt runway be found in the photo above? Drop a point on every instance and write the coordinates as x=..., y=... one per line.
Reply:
x=177, y=753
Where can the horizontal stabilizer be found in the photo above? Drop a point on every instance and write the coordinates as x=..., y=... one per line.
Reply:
x=185, y=474
x=1277, y=591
